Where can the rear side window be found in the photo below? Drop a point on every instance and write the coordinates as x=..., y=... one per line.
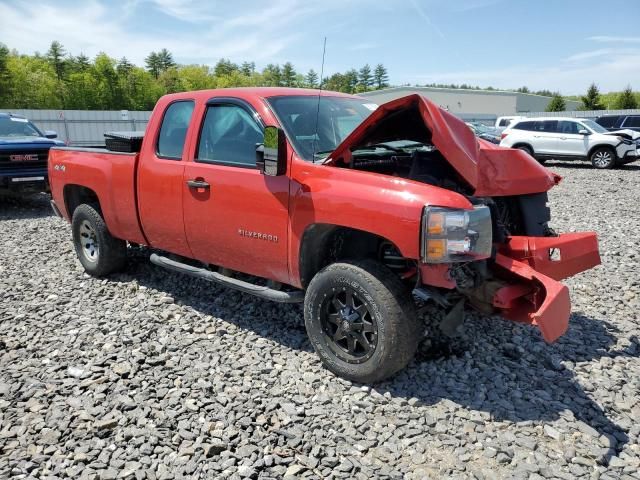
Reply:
x=230, y=135
x=631, y=121
x=550, y=126
x=504, y=122
x=173, y=130
x=524, y=125
x=607, y=122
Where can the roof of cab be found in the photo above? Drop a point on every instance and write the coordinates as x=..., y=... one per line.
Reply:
x=263, y=92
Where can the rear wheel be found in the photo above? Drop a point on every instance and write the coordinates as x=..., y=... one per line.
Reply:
x=529, y=150
x=99, y=252
x=603, y=157
x=361, y=321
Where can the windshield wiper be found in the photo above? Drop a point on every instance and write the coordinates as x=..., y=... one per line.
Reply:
x=319, y=156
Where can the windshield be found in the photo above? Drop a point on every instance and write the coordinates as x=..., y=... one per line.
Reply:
x=594, y=126
x=14, y=127
x=319, y=130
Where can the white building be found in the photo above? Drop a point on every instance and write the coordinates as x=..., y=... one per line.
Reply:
x=472, y=103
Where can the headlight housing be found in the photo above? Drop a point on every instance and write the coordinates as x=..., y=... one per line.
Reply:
x=452, y=235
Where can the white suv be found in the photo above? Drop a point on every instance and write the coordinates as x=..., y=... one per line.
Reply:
x=568, y=139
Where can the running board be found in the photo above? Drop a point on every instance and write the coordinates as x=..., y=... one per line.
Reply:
x=267, y=293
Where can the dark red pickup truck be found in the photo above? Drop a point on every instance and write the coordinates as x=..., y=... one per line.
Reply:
x=362, y=213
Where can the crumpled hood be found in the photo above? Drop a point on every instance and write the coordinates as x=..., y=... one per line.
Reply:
x=630, y=134
x=489, y=169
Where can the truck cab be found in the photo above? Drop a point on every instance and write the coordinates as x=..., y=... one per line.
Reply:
x=361, y=212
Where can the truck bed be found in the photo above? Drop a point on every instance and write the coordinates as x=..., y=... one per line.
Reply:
x=111, y=176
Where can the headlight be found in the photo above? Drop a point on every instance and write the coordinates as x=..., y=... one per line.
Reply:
x=450, y=235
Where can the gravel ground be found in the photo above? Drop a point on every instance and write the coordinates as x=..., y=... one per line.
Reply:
x=154, y=375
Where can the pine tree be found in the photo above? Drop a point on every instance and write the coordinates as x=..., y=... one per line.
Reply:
x=165, y=60
x=381, y=76
x=248, y=68
x=224, y=68
x=124, y=66
x=288, y=75
x=364, y=77
x=311, y=80
x=591, y=101
x=351, y=81
x=557, y=104
x=272, y=75
x=153, y=64
x=626, y=100
x=55, y=56
x=82, y=62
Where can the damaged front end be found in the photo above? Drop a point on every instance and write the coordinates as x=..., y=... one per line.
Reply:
x=513, y=270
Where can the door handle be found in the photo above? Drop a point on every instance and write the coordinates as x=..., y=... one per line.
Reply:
x=563, y=138
x=197, y=184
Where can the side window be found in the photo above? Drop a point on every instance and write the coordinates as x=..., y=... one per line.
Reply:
x=504, y=122
x=632, y=121
x=173, y=130
x=550, y=126
x=565, y=126
x=229, y=135
x=523, y=126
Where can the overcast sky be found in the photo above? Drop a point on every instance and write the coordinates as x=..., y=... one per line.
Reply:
x=558, y=45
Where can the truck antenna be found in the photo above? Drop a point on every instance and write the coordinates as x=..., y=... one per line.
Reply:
x=315, y=136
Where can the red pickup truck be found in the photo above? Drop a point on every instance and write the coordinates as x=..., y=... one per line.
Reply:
x=364, y=213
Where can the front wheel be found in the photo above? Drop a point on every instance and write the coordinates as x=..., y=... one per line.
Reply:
x=99, y=253
x=603, y=157
x=361, y=321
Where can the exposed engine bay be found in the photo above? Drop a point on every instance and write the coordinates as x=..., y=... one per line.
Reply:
x=513, y=215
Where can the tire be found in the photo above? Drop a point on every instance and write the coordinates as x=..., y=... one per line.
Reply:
x=376, y=332
x=603, y=157
x=99, y=253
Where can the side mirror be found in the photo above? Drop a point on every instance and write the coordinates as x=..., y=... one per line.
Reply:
x=271, y=156
x=583, y=132
x=50, y=134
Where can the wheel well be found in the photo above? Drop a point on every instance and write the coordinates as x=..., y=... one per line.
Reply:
x=609, y=147
x=323, y=244
x=523, y=144
x=75, y=195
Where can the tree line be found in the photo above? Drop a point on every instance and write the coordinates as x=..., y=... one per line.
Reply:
x=58, y=79
x=594, y=100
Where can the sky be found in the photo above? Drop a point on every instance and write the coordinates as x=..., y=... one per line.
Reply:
x=559, y=45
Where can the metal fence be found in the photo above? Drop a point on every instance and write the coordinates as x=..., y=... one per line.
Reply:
x=581, y=113
x=85, y=127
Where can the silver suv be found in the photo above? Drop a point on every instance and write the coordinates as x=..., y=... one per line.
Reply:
x=569, y=139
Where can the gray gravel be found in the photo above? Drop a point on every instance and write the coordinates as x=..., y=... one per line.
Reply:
x=153, y=375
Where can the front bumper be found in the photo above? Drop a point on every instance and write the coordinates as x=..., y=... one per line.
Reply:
x=628, y=153
x=23, y=178
x=532, y=268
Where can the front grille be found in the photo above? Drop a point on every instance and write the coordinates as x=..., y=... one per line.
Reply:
x=9, y=165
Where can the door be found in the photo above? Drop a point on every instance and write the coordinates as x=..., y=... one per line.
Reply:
x=235, y=217
x=545, y=137
x=160, y=179
x=570, y=142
